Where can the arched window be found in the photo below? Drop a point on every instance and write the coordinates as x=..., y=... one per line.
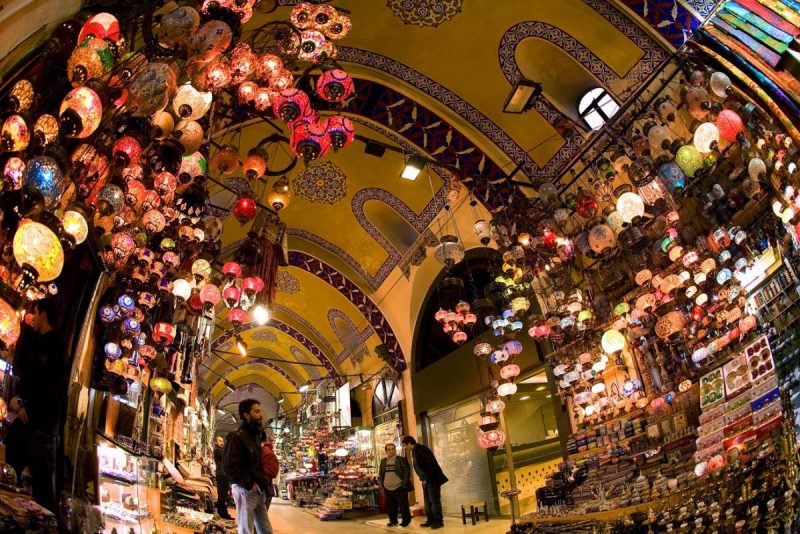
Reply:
x=597, y=107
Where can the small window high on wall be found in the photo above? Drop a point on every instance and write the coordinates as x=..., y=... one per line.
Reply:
x=597, y=107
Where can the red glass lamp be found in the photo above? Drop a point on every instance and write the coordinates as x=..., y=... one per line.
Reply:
x=245, y=210
x=335, y=85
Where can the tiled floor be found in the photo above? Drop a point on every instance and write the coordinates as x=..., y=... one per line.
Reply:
x=287, y=519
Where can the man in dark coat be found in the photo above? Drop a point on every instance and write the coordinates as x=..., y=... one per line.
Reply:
x=223, y=486
x=432, y=478
x=249, y=484
x=395, y=479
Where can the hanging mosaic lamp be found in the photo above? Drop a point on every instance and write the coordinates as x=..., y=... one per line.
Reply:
x=255, y=164
x=80, y=113
x=730, y=125
x=309, y=140
x=14, y=135
x=630, y=207
x=9, y=324
x=245, y=210
x=237, y=316
x=43, y=174
x=38, y=251
x=161, y=385
x=182, y=289
x=101, y=26
x=75, y=225
x=706, y=137
x=45, y=129
x=689, y=159
x=278, y=196
x=190, y=104
x=672, y=176
x=334, y=85
x=20, y=98
x=341, y=131
x=612, y=341
x=506, y=389
x=92, y=58
x=291, y=105
x=491, y=439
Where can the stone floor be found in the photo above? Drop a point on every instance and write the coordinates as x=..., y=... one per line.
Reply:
x=287, y=519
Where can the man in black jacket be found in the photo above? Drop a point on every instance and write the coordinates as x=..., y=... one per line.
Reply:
x=395, y=479
x=242, y=460
x=223, y=486
x=432, y=478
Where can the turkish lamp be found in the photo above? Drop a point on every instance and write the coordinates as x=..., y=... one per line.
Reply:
x=9, y=324
x=21, y=96
x=225, y=161
x=706, y=137
x=237, y=316
x=612, y=341
x=190, y=104
x=75, y=226
x=255, y=164
x=506, y=389
x=231, y=296
x=492, y=439
x=630, y=207
x=80, y=113
x=201, y=269
x=37, y=250
x=483, y=230
x=15, y=135
x=279, y=196
x=495, y=406
x=341, y=452
x=210, y=295
x=44, y=175
x=488, y=422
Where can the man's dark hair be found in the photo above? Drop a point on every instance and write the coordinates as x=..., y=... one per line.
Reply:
x=408, y=440
x=245, y=406
x=48, y=308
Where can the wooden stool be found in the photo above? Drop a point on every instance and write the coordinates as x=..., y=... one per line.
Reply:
x=475, y=511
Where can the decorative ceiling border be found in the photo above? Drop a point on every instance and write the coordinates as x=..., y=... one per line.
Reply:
x=296, y=317
x=353, y=293
x=254, y=363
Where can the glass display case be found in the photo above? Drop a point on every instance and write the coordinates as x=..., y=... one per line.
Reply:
x=128, y=488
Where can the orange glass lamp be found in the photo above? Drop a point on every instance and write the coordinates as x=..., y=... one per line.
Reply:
x=9, y=324
x=38, y=252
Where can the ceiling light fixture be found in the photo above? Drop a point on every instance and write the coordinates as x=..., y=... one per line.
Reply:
x=241, y=346
x=304, y=388
x=526, y=397
x=373, y=148
x=522, y=96
x=230, y=386
x=220, y=411
x=414, y=165
x=261, y=314
x=281, y=399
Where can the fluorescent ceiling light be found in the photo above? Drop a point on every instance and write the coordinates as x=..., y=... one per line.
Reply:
x=414, y=165
x=538, y=378
x=303, y=388
x=526, y=397
x=522, y=96
x=241, y=346
x=281, y=399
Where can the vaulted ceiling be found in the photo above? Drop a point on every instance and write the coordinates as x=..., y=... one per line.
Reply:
x=431, y=77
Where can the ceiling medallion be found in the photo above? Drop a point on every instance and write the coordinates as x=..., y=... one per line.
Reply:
x=287, y=283
x=425, y=12
x=321, y=183
x=265, y=335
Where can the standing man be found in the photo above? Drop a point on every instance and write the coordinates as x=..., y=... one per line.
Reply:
x=249, y=484
x=395, y=477
x=223, y=485
x=41, y=372
x=432, y=478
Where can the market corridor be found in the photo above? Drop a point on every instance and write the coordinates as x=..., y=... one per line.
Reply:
x=287, y=519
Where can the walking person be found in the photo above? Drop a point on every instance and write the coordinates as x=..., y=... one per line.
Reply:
x=432, y=478
x=395, y=478
x=223, y=485
x=249, y=483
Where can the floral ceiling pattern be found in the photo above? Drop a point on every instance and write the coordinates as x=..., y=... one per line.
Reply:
x=321, y=183
x=425, y=12
x=287, y=283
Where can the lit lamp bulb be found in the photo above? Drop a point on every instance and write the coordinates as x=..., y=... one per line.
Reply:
x=506, y=389
x=191, y=104
x=261, y=314
x=241, y=346
x=612, y=341
x=706, y=137
x=181, y=289
x=38, y=251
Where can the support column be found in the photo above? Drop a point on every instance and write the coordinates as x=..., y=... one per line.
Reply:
x=512, y=477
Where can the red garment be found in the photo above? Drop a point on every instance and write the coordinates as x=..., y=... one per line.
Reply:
x=269, y=461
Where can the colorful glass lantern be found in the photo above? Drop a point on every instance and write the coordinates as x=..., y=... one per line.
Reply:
x=80, y=113
x=160, y=385
x=630, y=207
x=513, y=347
x=9, y=324
x=245, y=210
x=482, y=349
x=341, y=131
x=706, y=137
x=730, y=125
x=506, y=389
x=225, y=161
x=672, y=176
x=126, y=150
x=21, y=96
x=312, y=46
x=75, y=225
x=252, y=285
x=210, y=295
x=499, y=356
x=43, y=174
x=45, y=129
x=279, y=197
x=13, y=173
x=153, y=222
x=182, y=289
x=459, y=337
x=164, y=333
x=201, y=269
x=237, y=316
x=510, y=371
x=92, y=58
x=101, y=26
x=15, y=135
x=491, y=439
x=112, y=350
x=334, y=85
x=231, y=295
x=291, y=105
x=255, y=164
x=190, y=104
x=38, y=251
x=495, y=406
x=231, y=270
x=612, y=341
x=689, y=159
x=601, y=238
x=309, y=140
